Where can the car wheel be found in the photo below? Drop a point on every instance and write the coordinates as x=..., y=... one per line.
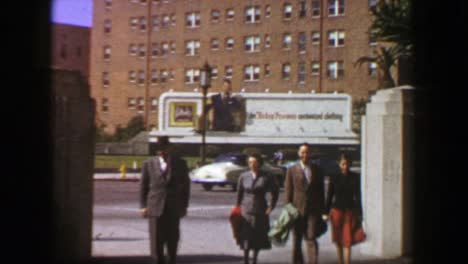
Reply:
x=207, y=187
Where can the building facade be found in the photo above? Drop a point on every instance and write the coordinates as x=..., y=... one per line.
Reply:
x=70, y=48
x=143, y=48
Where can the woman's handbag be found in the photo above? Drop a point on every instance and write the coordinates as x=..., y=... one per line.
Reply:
x=235, y=218
x=358, y=232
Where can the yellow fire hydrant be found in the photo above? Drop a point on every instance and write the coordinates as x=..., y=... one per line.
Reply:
x=123, y=171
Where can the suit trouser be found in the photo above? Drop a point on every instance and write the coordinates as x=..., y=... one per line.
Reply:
x=305, y=229
x=164, y=230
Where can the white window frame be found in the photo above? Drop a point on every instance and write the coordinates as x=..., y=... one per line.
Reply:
x=132, y=76
x=173, y=20
x=287, y=11
x=172, y=47
x=105, y=105
x=141, y=77
x=286, y=71
x=228, y=71
x=154, y=104
x=315, y=9
x=192, y=20
x=301, y=72
x=214, y=44
x=229, y=43
x=315, y=68
x=267, y=40
x=302, y=8
x=154, y=77
x=131, y=103
x=214, y=72
x=252, y=43
x=230, y=14
x=336, y=38
x=267, y=70
x=105, y=79
x=155, y=22
x=154, y=49
x=251, y=73
x=315, y=38
x=372, y=69
x=302, y=42
x=141, y=50
x=166, y=21
x=335, y=69
x=107, y=26
x=267, y=10
x=287, y=41
x=336, y=7
x=165, y=48
x=164, y=76
x=140, y=104
x=132, y=49
x=215, y=16
x=134, y=22
x=192, y=48
x=253, y=14
x=143, y=25
x=107, y=50
x=192, y=76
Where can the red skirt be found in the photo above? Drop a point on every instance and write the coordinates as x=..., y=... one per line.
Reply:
x=346, y=230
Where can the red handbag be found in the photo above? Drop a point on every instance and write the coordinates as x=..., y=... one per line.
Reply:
x=235, y=218
x=358, y=234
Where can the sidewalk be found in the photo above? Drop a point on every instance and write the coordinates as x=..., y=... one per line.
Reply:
x=117, y=176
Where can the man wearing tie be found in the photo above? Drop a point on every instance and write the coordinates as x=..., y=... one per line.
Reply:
x=164, y=197
x=304, y=189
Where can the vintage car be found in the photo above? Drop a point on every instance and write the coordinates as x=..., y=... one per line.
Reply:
x=226, y=169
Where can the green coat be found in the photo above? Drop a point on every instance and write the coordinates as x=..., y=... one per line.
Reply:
x=279, y=231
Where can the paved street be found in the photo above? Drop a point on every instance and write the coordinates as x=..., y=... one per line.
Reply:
x=206, y=237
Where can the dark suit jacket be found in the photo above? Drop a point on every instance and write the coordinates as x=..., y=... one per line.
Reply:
x=223, y=119
x=154, y=187
x=304, y=196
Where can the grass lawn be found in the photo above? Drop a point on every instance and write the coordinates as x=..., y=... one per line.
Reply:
x=111, y=161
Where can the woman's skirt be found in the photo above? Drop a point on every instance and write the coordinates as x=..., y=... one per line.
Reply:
x=345, y=227
x=254, y=232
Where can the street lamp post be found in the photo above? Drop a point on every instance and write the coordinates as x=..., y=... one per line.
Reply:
x=205, y=83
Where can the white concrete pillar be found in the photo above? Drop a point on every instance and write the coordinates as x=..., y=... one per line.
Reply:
x=387, y=172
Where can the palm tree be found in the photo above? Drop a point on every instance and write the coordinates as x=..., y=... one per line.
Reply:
x=385, y=59
x=392, y=26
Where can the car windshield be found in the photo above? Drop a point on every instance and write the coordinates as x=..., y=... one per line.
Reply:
x=238, y=159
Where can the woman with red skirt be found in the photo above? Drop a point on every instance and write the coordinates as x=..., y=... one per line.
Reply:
x=343, y=202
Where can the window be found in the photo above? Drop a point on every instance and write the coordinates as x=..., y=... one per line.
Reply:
x=132, y=49
x=335, y=69
x=315, y=38
x=336, y=38
x=214, y=44
x=302, y=8
x=173, y=47
x=108, y=4
x=141, y=50
x=372, y=39
x=372, y=69
x=154, y=76
x=107, y=26
x=335, y=7
x=166, y=20
x=267, y=11
x=192, y=20
x=287, y=11
x=143, y=2
x=315, y=8
x=107, y=53
x=141, y=77
x=164, y=75
x=373, y=5
x=315, y=68
x=286, y=71
x=192, y=48
x=164, y=48
x=171, y=74
x=154, y=50
x=134, y=23
x=215, y=15
x=214, y=72
x=267, y=70
x=155, y=23
x=132, y=76
x=192, y=76
x=141, y=104
x=173, y=19
x=252, y=44
x=154, y=104
x=142, y=23
x=131, y=103
x=229, y=43
x=228, y=71
x=287, y=39
x=104, y=105
x=105, y=79
x=230, y=14
x=302, y=42
x=252, y=14
x=251, y=73
x=267, y=41
x=301, y=74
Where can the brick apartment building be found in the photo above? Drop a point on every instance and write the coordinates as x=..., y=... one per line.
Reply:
x=142, y=48
x=70, y=48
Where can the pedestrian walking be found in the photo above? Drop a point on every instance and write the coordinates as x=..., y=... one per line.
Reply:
x=304, y=189
x=253, y=187
x=345, y=209
x=164, y=198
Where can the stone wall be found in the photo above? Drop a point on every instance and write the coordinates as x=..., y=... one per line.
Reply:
x=73, y=152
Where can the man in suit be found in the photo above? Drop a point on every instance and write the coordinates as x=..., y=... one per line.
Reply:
x=304, y=189
x=222, y=107
x=164, y=197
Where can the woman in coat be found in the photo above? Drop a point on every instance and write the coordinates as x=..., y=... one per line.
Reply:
x=345, y=210
x=253, y=187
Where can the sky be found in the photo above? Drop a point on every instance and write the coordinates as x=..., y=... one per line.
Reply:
x=72, y=12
